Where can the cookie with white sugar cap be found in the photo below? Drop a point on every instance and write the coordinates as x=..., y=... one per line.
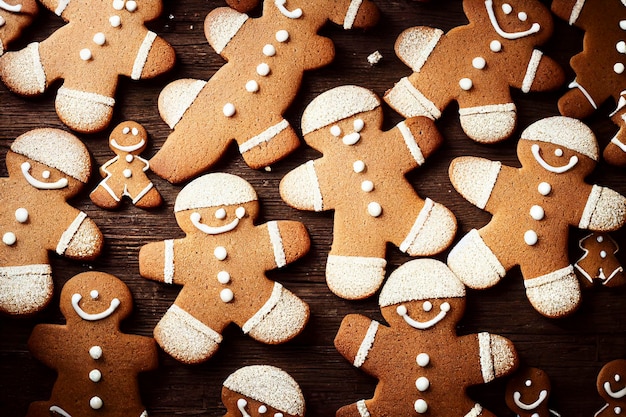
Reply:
x=217, y=189
x=263, y=391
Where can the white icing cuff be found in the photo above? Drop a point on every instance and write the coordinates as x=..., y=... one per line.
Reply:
x=176, y=98
x=411, y=143
x=474, y=178
x=86, y=96
x=486, y=361
x=354, y=277
x=25, y=289
x=353, y=10
x=409, y=101
x=300, y=188
x=265, y=310
x=69, y=233
x=362, y=408
x=38, y=71
x=143, y=193
x=61, y=7
x=415, y=45
x=264, y=137
x=277, y=244
x=194, y=323
x=576, y=11
x=168, y=262
x=555, y=294
x=417, y=227
x=615, y=141
x=108, y=189
x=220, y=35
x=474, y=263
x=142, y=55
x=366, y=344
x=531, y=71
x=605, y=210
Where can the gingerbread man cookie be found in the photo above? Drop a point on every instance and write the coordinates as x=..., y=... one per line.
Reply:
x=476, y=65
x=527, y=393
x=262, y=391
x=600, y=67
x=221, y=264
x=102, y=40
x=362, y=178
x=599, y=263
x=97, y=364
x=611, y=384
x=422, y=365
x=15, y=15
x=245, y=100
x=46, y=168
x=125, y=175
x=533, y=207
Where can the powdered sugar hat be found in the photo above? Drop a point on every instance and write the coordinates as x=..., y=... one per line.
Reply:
x=420, y=279
x=269, y=385
x=337, y=104
x=57, y=149
x=214, y=190
x=566, y=132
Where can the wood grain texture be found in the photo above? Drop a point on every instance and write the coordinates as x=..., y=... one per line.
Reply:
x=571, y=350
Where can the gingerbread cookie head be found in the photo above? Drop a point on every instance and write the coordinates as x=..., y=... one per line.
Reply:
x=128, y=138
x=262, y=391
x=15, y=16
x=611, y=384
x=527, y=393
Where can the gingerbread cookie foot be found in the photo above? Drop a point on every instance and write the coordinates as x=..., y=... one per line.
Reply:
x=354, y=277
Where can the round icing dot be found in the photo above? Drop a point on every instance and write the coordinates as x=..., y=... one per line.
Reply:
x=129, y=158
x=351, y=139
x=96, y=403
x=618, y=68
x=522, y=16
x=506, y=8
x=401, y=310
x=223, y=277
x=95, y=375
x=621, y=47
x=241, y=403
x=423, y=359
x=118, y=4
x=269, y=50
x=544, y=188
x=220, y=253
x=94, y=294
x=226, y=295
x=21, y=215
x=127, y=173
x=617, y=377
x=622, y=24
x=358, y=166
x=240, y=212
x=421, y=406
x=558, y=152
x=537, y=212
x=99, y=38
x=367, y=186
x=252, y=86
x=135, y=131
x=126, y=130
x=530, y=237
x=263, y=69
x=229, y=110
x=422, y=383
x=602, y=254
x=282, y=36
x=131, y=6
x=600, y=239
x=335, y=131
x=466, y=84
x=220, y=213
x=262, y=409
x=374, y=209
x=115, y=21
x=528, y=383
x=95, y=352
x=618, y=410
x=9, y=238
x=45, y=174
x=427, y=306
x=85, y=54
x=495, y=46
x=479, y=62
x=445, y=307
x=358, y=124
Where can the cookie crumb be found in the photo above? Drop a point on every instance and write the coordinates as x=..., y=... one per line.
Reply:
x=374, y=58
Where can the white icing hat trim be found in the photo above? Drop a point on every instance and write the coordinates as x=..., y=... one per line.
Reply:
x=214, y=190
x=57, y=149
x=566, y=132
x=269, y=385
x=420, y=279
x=337, y=104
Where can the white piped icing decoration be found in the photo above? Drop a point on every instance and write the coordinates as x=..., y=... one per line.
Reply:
x=530, y=237
x=269, y=50
x=9, y=238
x=600, y=239
x=263, y=69
x=528, y=383
x=220, y=253
x=131, y=6
x=223, y=277
x=2, y=21
x=135, y=131
x=351, y=139
x=508, y=35
x=544, y=188
x=115, y=21
x=45, y=174
x=262, y=409
x=427, y=306
x=522, y=16
x=129, y=158
x=537, y=212
x=358, y=166
x=126, y=130
x=115, y=303
x=423, y=360
x=402, y=312
x=127, y=173
x=95, y=352
x=602, y=254
x=220, y=213
x=227, y=295
x=617, y=410
x=118, y=4
x=21, y=215
x=422, y=384
x=85, y=54
x=95, y=375
x=99, y=39
x=335, y=130
x=229, y=110
x=466, y=84
x=291, y=14
x=358, y=124
x=558, y=152
x=536, y=149
x=621, y=47
x=367, y=186
x=479, y=62
x=421, y=406
x=495, y=46
x=282, y=36
x=506, y=8
x=252, y=86
x=94, y=294
x=96, y=403
x=622, y=24
x=618, y=68
x=374, y=209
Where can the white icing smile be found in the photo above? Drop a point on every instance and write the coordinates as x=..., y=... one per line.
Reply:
x=130, y=148
x=617, y=394
x=97, y=316
x=423, y=325
x=557, y=170
x=517, y=395
x=212, y=230
x=508, y=35
x=61, y=183
x=10, y=8
x=291, y=14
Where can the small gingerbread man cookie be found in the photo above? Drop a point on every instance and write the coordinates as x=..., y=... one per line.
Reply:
x=15, y=16
x=221, y=265
x=362, y=178
x=46, y=168
x=527, y=393
x=533, y=208
x=422, y=365
x=124, y=175
x=245, y=99
x=97, y=364
x=611, y=384
x=599, y=263
x=262, y=391
x=101, y=41
x=476, y=65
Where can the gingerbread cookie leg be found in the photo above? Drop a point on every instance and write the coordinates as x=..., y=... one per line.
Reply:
x=615, y=152
x=554, y=294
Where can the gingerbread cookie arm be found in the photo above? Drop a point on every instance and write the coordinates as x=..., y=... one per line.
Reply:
x=605, y=210
x=475, y=178
x=148, y=360
x=156, y=262
x=420, y=138
x=498, y=356
x=41, y=348
x=542, y=74
x=81, y=239
x=355, y=340
x=155, y=56
x=59, y=7
x=288, y=240
x=220, y=27
x=301, y=187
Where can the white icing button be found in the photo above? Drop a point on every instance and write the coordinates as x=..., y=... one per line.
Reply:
x=85, y=54
x=262, y=409
x=367, y=186
x=95, y=375
x=223, y=277
x=220, y=253
x=617, y=410
x=99, y=38
x=115, y=21
x=530, y=237
x=252, y=86
x=522, y=16
x=544, y=188
x=95, y=352
x=619, y=68
x=118, y=4
x=358, y=124
x=335, y=131
x=229, y=110
x=374, y=209
x=131, y=6
x=423, y=359
x=422, y=383
x=220, y=214
x=21, y=215
x=421, y=406
x=269, y=50
x=96, y=403
x=621, y=47
x=358, y=166
x=528, y=383
x=45, y=174
x=600, y=239
x=537, y=212
x=263, y=69
x=226, y=295
x=129, y=158
x=466, y=84
x=506, y=8
x=479, y=62
x=622, y=24
x=9, y=238
x=282, y=36
x=127, y=173
x=495, y=46
x=94, y=294
x=602, y=254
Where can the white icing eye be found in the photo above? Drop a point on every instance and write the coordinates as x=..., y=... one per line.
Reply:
x=618, y=68
x=240, y=212
x=445, y=307
x=522, y=16
x=85, y=54
x=131, y=6
x=359, y=124
x=21, y=215
x=621, y=47
x=94, y=294
x=135, y=131
x=351, y=139
x=115, y=21
x=269, y=50
x=45, y=174
x=118, y=4
x=558, y=152
x=528, y=383
x=617, y=410
x=401, y=310
x=195, y=217
x=427, y=306
x=99, y=38
x=282, y=36
x=506, y=8
x=262, y=409
x=466, y=84
x=495, y=46
x=263, y=69
x=126, y=130
x=252, y=86
x=335, y=131
x=2, y=21
x=229, y=110
x=358, y=166
x=223, y=277
x=617, y=377
x=219, y=214
x=479, y=62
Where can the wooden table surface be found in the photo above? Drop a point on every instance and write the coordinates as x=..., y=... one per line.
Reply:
x=570, y=350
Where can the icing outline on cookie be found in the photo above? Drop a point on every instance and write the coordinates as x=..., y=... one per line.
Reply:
x=57, y=185
x=517, y=395
x=291, y=14
x=129, y=148
x=617, y=394
x=402, y=312
x=508, y=35
x=10, y=8
x=97, y=316
x=557, y=170
x=213, y=230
